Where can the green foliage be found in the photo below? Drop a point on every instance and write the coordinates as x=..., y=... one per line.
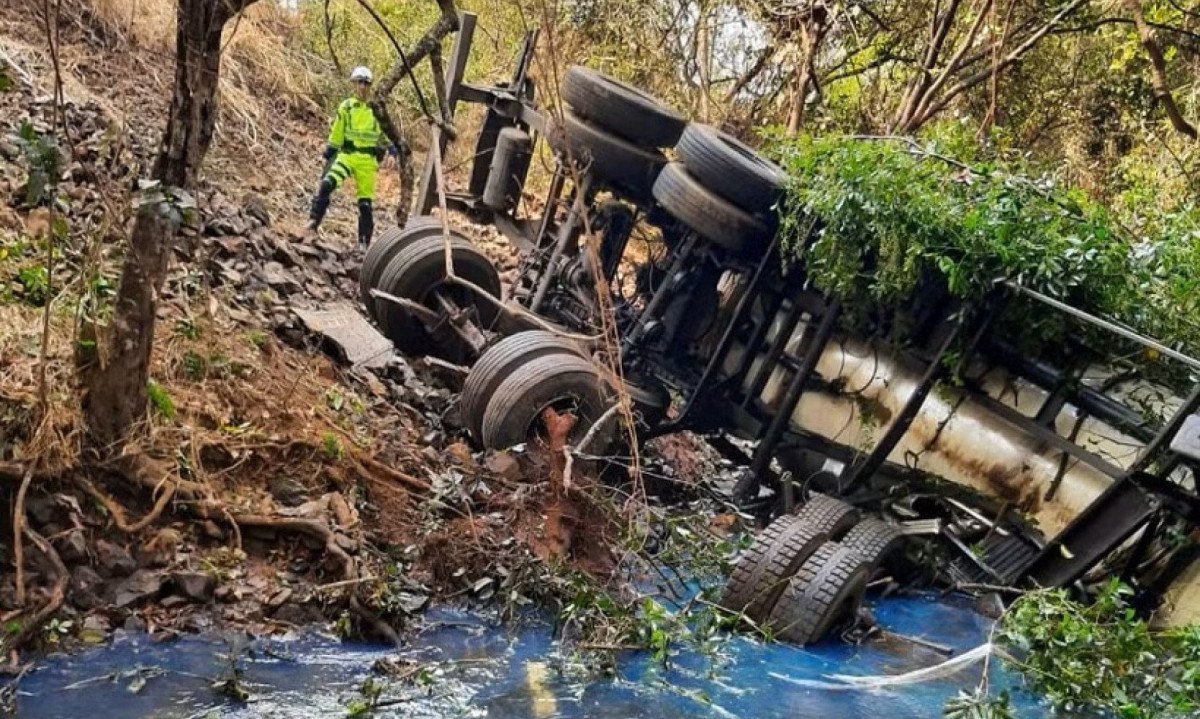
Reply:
x=56, y=629
x=187, y=329
x=258, y=338
x=44, y=159
x=1100, y=656
x=331, y=446
x=879, y=222
x=36, y=282
x=979, y=705
x=160, y=399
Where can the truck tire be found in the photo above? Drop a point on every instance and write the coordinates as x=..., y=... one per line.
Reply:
x=874, y=540
x=497, y=363
x=614, y=162
x=828, y=513
x=827, y=588
x=730, y=168
x=708, y=214
x=562, y=381
x=762, y=573
x=620, y=108
x=414, y=273
x=382, y=250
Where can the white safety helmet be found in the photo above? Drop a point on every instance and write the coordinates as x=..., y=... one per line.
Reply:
x=361, y=74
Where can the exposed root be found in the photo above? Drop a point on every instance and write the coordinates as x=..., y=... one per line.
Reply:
x=372, y=469
x=58, y=595
x=117, y=512
x=18, y=529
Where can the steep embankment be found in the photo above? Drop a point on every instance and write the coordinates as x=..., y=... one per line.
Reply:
x=290, y=488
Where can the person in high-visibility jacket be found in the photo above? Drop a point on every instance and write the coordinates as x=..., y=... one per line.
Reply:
x=355, y=148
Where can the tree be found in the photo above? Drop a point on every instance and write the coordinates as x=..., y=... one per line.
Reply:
x=115, y=381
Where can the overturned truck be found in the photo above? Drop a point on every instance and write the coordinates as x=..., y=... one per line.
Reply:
x=1027, y=472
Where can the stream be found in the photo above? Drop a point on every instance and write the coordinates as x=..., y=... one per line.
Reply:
x=478, y=668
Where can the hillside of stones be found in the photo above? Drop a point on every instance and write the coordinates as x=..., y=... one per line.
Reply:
x=252, y=406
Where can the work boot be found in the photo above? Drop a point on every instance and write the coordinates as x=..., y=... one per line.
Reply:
x=366, y=224
x=320, y=205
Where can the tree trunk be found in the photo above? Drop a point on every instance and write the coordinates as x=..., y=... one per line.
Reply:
x=1158, y=71
x=116, y=384
x=811, y=35
x=704, y=64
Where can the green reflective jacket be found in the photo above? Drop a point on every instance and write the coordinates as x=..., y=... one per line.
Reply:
x=355, y=127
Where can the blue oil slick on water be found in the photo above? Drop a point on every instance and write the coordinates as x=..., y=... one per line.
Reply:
x=484, y=670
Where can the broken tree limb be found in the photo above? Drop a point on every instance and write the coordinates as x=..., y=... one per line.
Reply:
x=446, y=24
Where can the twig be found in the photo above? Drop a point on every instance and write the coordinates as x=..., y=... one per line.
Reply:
x=569, y=451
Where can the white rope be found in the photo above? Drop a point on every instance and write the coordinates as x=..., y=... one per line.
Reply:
x=843, y=682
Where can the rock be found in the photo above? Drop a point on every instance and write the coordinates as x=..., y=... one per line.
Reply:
x=113, y=560
x=228, y=225
x=278, y=279
x=41, y=508
x=72, y=546
x=134, y=623
x=95, y=629
x=287, y=491
x=230, y=246
x=278, y=599
x=329, y=248
x=503, y=464
x=196, y=586
x=143, y=585
x=307, y=250
x=284, y=254
x=86, y=586
x=172, y=602
x=298, y=614
x=254, y=206
x=411, y=602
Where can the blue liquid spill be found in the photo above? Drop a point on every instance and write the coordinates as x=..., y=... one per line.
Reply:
x=499, y=672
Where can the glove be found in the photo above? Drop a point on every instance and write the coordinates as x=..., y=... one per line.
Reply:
x=330, y=152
